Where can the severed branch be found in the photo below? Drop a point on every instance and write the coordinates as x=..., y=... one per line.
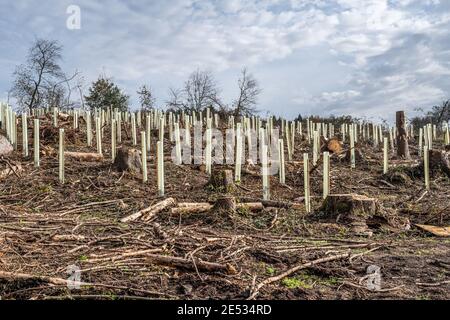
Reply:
x=270, y=280
x=84, y=156
x=191, y=264
x=147, y=213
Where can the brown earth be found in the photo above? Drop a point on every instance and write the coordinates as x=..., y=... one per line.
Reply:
x=45, y=227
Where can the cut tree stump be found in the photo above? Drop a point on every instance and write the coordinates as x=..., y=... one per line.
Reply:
x=5, y=146
x=359, y=157
x=349, y=206
x=225, y=203
x=351, y=209
x=439, y=162
x=222, y=180
x=359, y=211
x=128, y=159
x=402, y=140
x=332, y=145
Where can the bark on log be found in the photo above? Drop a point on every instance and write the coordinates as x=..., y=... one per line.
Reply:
x=189, y=207
x=402, y=140
x=84, y=156
x=226, y=203
x=128, y=159
x=222, y=180
x=5, y=146
x=190, y=264
x=12, y=276
x=147, y=213
x=68, y=237
x=332, y=145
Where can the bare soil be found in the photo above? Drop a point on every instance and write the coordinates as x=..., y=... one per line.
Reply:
x=112, y=256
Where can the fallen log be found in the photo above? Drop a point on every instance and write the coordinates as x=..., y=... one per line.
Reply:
x=190, y=264
x=147, y=213
x=84, y=156
x=68, y=237
x=272, y=203
x=199, y=207
x=13, y=276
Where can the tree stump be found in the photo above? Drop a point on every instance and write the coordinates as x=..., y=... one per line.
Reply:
x=332, y=145
x=439, y=162
x=351, y=209
x=225, y=204
x=359, y=212
x=128, y=159
x=222, y=180
x=5, y=146
x=359, y=157
x=223, y=210
x=349, y=206
x=402, y=140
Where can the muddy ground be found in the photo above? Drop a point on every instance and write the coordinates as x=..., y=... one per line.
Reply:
x=36, y=210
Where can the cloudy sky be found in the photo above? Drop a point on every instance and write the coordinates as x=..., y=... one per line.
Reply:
x=367, y=58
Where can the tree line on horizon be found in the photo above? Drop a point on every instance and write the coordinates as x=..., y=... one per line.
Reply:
x=41, y=82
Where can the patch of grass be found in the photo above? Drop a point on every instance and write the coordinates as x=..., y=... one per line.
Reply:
x=270, y=270
x=83, y=258
x=294, y=283
x=307, y=281
x=243, y=211
x=45, y=188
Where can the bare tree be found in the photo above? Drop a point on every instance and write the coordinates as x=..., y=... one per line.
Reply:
x=36, y=81
x=176, y=99
x=248, y=94
x=201, y=91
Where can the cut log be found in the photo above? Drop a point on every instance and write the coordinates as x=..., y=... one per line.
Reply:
x=5, y=146
x=68, y=237
x=332, y=145
x=222, y=180
x=402, y=140
x=147, y=213
x=190, y=264
x=272, y=203
x=128, y=160
x=84, y=156
x=189, y=207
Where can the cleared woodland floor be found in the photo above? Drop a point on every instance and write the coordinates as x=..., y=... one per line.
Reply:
x=35, y=211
